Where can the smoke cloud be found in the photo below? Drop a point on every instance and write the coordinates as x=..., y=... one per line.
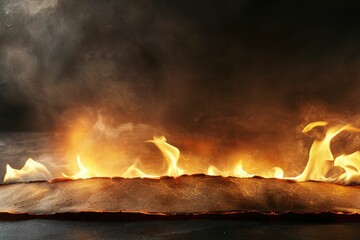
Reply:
x=244, y=74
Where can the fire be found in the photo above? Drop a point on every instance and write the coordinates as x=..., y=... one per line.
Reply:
x=171, y=155
x=31, y=171
x=135, y=171
x=278, y=172
x=351, y=165
x=321, y=165
x=83, y=173
x=320, y=156
x=238, y=171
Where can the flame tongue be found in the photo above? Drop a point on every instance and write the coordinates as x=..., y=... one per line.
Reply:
x=135, y=171
x=83, y=173
x=31, y=171
x=171, y=155
x=320, y=155
x=238, y=172
x=278, y=172
x=351, y=165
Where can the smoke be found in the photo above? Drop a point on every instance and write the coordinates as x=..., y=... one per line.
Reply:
x=60, y=57
x=244, y=74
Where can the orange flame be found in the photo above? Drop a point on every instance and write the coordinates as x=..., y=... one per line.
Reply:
x=351, y=165
x=320, y=166
x=320, y=154
x=278, y=172
x=238, y=171
x=171, y=155
x=134, y=171
x=83, y=173
x=31, y=171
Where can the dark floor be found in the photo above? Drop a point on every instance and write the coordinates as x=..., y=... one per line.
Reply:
x=176, y=229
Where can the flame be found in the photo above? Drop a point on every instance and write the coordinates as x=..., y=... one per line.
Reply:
x=351, y=165
x=321, y=165
x=135, y=171
x=321, y=156
x=171, y=155
x=31, y=171
x=213, y=171
x=83, y=173
x=238, y=171
x=278, y=172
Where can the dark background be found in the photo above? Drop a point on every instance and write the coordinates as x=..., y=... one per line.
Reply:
x=225, y=68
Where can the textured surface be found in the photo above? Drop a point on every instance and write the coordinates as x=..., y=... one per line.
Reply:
x=187, y=194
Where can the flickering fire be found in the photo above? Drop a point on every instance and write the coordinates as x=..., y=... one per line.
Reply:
x=320, y=165
x=82, y=174
x=238, y=171
x=320, y=154
x=171, y=155
x=32, y=170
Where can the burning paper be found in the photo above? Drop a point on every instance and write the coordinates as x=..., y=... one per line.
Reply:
x=197, y=194
x=320, y=166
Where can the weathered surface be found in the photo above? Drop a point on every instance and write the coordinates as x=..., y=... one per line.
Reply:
x=184, y=195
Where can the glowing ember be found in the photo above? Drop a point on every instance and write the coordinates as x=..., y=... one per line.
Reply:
x=321, y=166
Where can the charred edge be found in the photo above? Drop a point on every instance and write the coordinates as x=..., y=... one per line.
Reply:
x=199, y=175
x=133, y=217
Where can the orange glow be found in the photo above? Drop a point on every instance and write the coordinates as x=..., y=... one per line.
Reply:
x=237, y=171
x=278, y=172
x=135, y=171
x=83, y=173
x=106, y=159
x=171, y=155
